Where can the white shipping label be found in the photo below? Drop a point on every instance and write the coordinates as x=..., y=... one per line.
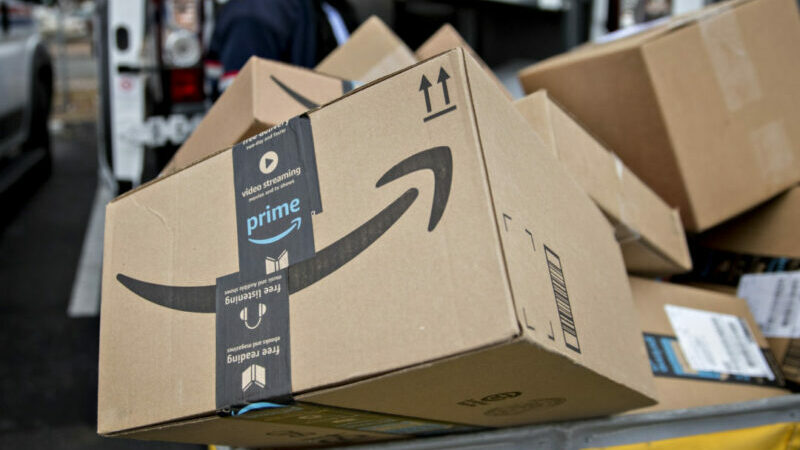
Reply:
x=774, y=300
x=717, y=342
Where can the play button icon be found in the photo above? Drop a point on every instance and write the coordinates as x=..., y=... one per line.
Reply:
x=268, y=162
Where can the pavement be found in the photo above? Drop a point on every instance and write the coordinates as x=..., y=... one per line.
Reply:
x=48, y=361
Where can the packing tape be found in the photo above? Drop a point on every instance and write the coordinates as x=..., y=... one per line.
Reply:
x=774, y=152
x=623, y=231
x=735, y=73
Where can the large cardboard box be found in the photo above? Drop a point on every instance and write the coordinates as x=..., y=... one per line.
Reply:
x=649, y=231
x=704, y=347
x=373, y=51
x=263, y=94
x=703, y=108
x=446, y=38
x=435, y=263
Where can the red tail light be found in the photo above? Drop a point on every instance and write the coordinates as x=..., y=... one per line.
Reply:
x=186, y=85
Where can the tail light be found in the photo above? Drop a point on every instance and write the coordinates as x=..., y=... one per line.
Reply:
x=186, y=85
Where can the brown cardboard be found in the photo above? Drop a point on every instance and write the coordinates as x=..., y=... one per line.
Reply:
x=372, y=51
x=446, y=38
x=650, y=298
x=768, y=230
x=649, y=232
x=702, y=109
x=459, y=324
x=263, y=94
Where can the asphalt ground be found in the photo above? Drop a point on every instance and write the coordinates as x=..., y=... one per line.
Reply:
x=48, y=361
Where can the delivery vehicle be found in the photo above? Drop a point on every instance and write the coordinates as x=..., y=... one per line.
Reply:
x=151, y=82
x=26, y=91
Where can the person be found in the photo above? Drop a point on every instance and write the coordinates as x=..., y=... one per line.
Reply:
x=299, y=32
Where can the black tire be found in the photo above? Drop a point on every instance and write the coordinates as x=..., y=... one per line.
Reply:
x=41, y=101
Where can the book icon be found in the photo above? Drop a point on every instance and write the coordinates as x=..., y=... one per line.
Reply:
x=254, y=375
x=276, y=264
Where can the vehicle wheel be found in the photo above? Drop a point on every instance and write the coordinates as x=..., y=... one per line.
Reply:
x=41, y=101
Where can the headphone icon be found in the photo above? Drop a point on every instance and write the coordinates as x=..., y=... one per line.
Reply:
x=262, y=309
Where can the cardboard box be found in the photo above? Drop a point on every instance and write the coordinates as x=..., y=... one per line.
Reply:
x=446, y=38
x=763, y=240
x=486, y=291
x=650, y=232
x=673, y=336
x=263, y=94
x=703, y=108
x=373, y=51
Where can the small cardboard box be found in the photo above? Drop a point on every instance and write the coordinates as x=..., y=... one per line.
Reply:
x=703, y=108
x=442, y=266
x=650, y=232
x=762, y=240
x=687, y=329
x=263, y=94
x=373, y=51
x=446, y=38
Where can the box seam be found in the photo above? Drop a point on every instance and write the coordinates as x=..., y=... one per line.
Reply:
x=484, y=170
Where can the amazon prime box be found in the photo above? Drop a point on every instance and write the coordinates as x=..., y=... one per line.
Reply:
x=648, y=230
x=705, y=348
x=703, y=108
x=263, y=94
x=395, y=263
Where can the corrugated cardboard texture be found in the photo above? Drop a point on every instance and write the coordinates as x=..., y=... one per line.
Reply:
x=260, y=97
x=372, y=51
x=701, y=109
x=650, y=298
x=446, y=38
x=413, y=297
x=649, y=231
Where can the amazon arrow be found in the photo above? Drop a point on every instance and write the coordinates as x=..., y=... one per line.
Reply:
x=298, y=97
x=202, y=299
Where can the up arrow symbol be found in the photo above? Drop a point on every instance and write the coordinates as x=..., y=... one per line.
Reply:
x=424, y=85
x=443, y=77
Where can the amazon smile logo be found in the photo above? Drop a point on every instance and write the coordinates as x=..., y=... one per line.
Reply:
x=202, y=299
x=271, y=215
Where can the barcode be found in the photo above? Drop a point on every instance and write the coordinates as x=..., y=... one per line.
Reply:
x=562, y=300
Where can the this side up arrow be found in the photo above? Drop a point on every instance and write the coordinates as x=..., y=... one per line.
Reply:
x=424, y=85
x=443, y=77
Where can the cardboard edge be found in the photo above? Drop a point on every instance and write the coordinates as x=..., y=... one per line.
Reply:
x=497, y=226
x=675, y=24
x=681, y=262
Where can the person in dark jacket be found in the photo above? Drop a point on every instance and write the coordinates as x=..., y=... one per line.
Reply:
x=299, y=32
